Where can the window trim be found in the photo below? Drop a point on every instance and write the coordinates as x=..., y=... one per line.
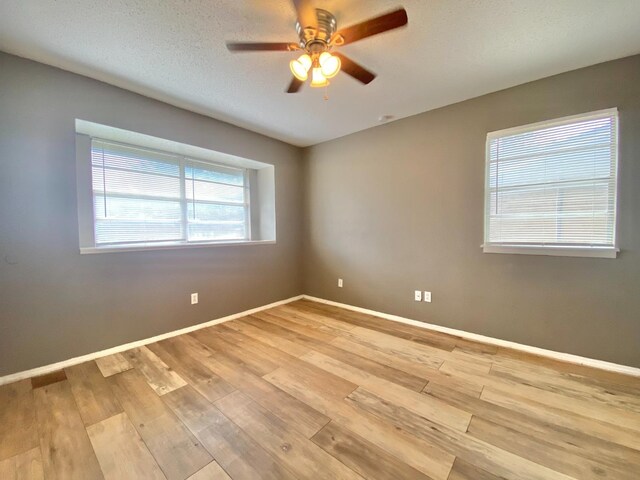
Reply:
x=170, y=246
x=553, y=251
x=593, y=251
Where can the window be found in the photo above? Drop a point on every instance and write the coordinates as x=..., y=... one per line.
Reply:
x=551, y=187
x=142, y=195
x=134, y=195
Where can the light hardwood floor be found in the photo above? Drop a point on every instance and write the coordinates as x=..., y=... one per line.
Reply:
x=306, y=390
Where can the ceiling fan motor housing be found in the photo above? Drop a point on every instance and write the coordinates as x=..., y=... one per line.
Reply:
x=316, y=40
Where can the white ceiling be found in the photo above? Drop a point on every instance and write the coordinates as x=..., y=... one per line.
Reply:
x=452, y=50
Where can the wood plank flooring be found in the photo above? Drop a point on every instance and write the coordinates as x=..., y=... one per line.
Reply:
x=307, y=390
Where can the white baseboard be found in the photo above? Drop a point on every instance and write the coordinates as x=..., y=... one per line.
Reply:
x=565, y=357
x=34, y=372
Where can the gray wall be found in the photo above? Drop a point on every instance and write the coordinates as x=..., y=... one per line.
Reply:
x=391, y=209
x=399, y=208
x=54, y=302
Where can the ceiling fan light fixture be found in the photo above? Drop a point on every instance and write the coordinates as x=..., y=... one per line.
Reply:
x=318, y=34
x=300, y=67
x=317, y=78
x=329, y=65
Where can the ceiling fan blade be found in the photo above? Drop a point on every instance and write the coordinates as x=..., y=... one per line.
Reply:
x=373, y=26
x=306, y=14
x=261, y=47
x=295, y=85
x=354, y=69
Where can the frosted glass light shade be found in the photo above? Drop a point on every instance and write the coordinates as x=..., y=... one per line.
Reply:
x=317, y=78
x=329, y=64
x=300, y=67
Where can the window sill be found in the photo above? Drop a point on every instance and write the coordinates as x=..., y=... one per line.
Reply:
x=169, y=246
x=593, y=252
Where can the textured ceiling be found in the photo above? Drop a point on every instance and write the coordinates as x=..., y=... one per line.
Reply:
x=451, y=50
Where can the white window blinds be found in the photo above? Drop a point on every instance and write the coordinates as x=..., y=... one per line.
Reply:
x=147, y=196
x=553, y=185
x=217, y=202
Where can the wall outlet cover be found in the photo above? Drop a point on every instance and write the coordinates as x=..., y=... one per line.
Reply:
x=418, y=295
x=427, y=296
x=194, y=298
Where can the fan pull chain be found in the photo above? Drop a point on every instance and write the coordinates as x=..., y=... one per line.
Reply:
x=326, y=92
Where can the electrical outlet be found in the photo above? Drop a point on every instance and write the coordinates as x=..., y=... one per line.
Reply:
x=194, y=298
x=418, y=295
x=427, y=296
x=340, y=282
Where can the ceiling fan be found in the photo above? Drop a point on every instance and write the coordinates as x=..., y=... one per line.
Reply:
x=318, y=35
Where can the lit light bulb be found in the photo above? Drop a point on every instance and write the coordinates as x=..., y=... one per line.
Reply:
x=329, y=64
x=300, y=67
x=317, y=78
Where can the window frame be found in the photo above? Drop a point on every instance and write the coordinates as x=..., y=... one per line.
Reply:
x=186, y=160
x=568, y=250
x=182, y=161
x=259, y=182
